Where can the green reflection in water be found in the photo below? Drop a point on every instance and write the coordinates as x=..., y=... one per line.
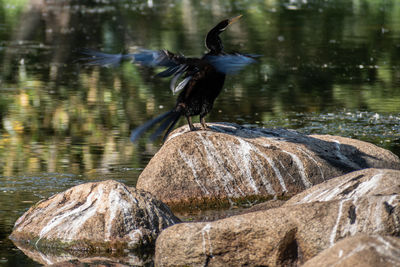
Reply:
x=329, y=67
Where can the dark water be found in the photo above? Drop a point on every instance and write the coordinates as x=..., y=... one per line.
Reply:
x=328, y=67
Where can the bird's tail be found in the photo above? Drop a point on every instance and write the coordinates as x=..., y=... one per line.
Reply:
x=169, y=118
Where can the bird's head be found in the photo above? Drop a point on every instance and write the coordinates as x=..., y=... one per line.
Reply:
x=213, y=42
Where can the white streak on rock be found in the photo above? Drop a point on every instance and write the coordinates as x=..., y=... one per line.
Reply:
x=335, y=227
x=331, y=193
x=178, y=133
x=268, y=187
x=206, y=231
x=300, y=167
x=82, y=216
x=45, y=258
x=342, y=157
x=258, y=165
x=366, y=186
x=322, y=195
x=116, y=204
x=273, y=166
x=357, y=249
x=314, y=160
x=79, y=219
x=283, y=167
x=242, y=157
x=216, y=162
x=392, y=198
x=386, y=250
x=276, y=170
x=191, y=162
x=386, y=244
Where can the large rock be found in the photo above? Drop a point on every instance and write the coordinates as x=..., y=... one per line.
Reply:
x=232, y=162
x=360, y=251
x=356, y=184
x=100, y=216
x=276, y=237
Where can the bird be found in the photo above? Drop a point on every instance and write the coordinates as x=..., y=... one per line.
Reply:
x=201, y=79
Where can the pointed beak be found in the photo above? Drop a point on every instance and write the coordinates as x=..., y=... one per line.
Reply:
x=234, y=19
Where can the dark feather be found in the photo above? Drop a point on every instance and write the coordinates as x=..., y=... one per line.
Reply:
x=172, y=119
x=137, y=132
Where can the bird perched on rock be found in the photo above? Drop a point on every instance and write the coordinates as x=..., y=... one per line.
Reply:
x=201, y=79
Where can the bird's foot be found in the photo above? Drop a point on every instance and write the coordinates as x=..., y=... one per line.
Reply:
x=192, y=128
x=203, y=124
x=205, y=127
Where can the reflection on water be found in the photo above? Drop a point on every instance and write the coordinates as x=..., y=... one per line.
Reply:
x=329, y=67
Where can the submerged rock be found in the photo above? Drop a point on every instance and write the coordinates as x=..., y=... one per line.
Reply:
x=102, y=216
x=360, y=251
x=283, y=236
x=231, y=162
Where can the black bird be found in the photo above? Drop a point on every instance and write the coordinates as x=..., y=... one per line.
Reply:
x=202, y=78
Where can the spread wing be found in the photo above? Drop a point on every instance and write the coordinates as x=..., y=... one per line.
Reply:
x=230, y=63
x=176, y=65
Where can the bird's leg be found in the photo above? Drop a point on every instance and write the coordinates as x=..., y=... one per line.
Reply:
x=191, y=126
x=203, y=123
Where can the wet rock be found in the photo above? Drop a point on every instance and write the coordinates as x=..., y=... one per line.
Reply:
x=276, y=237
x=59, y=257
x=96, y=262
x=356, y=184
x=102, y=216
x=230, y=162
x=360, y=251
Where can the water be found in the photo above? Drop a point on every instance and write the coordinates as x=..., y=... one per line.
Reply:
x=327, y=67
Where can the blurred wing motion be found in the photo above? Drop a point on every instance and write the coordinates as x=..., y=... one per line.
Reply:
x=150, y=58
x=176, y=64
x=103, y=59
x=230, y=63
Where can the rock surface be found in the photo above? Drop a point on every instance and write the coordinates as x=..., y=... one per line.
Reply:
x=360, y=251
x=354, y=185
x=66, y=258
x=231, y=162
x=96, y=217
x=276, y=237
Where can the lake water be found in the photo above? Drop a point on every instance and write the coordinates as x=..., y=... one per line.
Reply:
x=327, y=67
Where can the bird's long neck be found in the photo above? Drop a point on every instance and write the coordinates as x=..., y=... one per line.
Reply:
x=213, y=42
